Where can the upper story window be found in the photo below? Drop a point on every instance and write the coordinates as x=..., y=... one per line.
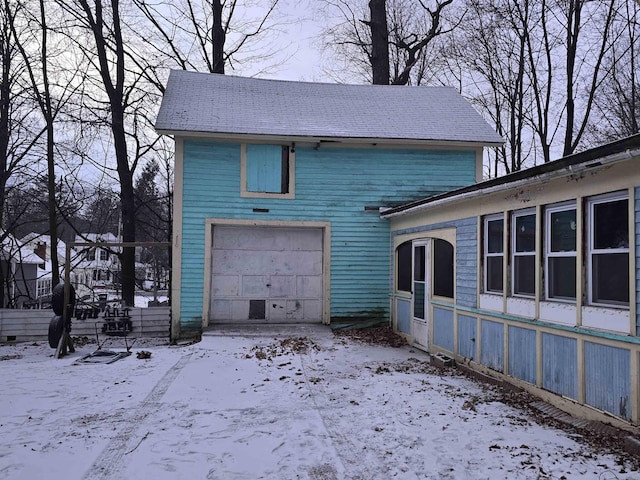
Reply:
x=493, y=253
x=267, y=171
x=560, y=252
x=104, y=255
x=608, y=249
x=523, y=238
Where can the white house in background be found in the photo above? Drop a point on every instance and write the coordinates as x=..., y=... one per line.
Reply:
x=20, y=268
x=97, y=269
x=40, y=245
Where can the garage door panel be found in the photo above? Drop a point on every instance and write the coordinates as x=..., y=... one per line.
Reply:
x=226, y=285
x=266, y=262
x=267, y=238
x=255, y=286
x=270, y=272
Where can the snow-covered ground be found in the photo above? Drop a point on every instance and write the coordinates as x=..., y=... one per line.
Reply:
x=263, y=407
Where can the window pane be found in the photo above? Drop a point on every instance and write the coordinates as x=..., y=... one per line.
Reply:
x=494, y=236
x=494, y=274
x=418, y=268
x=563, y=231
x=562, y=277
x=524, y=275
x=264, y=168
x=611, y=224
x=611, y=278
x=404, y=267
x=442, y=268
x=418, y=299
x=525, y=234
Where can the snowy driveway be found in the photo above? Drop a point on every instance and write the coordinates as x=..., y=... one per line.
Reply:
x=250, y=406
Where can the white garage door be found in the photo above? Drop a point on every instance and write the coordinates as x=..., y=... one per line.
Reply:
x=266, y=274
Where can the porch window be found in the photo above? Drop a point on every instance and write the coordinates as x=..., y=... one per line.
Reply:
x=267, y=170
x=560, y=249
x=523, y=263
x=493, y=253
x=608, y=261
x=404, y=262
x=442, y=268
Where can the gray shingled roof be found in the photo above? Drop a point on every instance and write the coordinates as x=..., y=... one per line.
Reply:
x=220, y=104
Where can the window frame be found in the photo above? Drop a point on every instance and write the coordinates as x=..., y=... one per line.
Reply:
x=591, y=250
x=549, y=210
x=513, y=253
x=244, y=192
x=486, y=254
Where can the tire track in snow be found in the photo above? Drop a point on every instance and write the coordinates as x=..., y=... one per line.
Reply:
x=109, y=462
x=351, y=460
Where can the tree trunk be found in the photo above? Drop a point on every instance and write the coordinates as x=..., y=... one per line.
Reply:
x=379, y=42
x=218, y=38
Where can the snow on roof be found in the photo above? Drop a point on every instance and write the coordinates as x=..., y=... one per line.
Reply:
x=212, y=103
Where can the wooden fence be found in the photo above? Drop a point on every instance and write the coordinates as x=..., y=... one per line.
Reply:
x=30, y=325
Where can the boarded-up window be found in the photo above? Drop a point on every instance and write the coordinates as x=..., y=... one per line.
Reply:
x=267, y=168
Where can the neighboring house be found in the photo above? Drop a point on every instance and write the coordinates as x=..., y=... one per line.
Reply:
x=40, y=244
x=96, y=269
x=278, y=187
x=20, y=269
x=533, y=277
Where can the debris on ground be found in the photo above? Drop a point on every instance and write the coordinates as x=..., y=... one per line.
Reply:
x=143, y=354
x=285, y=346
x=375, y=335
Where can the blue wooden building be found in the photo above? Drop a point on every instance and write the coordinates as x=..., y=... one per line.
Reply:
x=533, y=278
x=279, y=186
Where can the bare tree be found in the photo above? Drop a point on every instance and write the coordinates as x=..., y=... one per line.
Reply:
x=102, y=20
x=387, y=46
x=210, y=35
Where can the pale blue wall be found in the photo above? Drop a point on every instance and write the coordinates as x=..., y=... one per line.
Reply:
x=332, y=185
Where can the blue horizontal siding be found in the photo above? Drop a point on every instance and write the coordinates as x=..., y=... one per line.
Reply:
x=331, y=185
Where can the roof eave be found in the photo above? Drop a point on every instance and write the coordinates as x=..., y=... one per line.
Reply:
x=328, y=140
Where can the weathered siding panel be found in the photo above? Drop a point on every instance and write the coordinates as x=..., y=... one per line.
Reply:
x=492, y=353
x=607, y=379
x=332, y=185
x=522, y=354
x=467, y=335
x=404, y=316
x=560, y=365
x=443, y=328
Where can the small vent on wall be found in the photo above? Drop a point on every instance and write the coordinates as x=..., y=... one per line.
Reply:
x=261, y=210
